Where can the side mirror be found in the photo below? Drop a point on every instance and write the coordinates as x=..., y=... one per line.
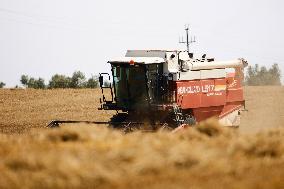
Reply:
x=101, y=80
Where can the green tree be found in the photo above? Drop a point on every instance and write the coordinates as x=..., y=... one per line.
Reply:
x=24, y=80
x=275, y=74
x=60, y=81
x=92, y=82
x=39, y=84
x=30, y=82
x=2, y=84
x=261, y=76
x=78, y=80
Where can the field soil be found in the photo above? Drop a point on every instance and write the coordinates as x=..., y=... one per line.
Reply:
x=265, y=107
x=22, y=110
x=90, y=156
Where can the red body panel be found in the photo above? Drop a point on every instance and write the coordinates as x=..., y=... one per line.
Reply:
x=234, y=90
x=201, y=93
x=210, y=97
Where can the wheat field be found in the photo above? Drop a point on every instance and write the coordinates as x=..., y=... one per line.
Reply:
x=90, y=156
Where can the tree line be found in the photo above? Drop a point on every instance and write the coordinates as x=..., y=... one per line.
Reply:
x=255, y=76
x=259, y=76
x=76, y=81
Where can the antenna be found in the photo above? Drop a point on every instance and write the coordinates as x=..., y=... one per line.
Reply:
x=187, y=42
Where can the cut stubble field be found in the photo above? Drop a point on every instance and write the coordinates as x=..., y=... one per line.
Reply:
x=22, y=110
x=89, y=156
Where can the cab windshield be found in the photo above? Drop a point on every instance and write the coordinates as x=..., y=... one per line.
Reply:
x=130, y=86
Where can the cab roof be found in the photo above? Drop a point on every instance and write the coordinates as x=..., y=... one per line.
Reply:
x=137, y=60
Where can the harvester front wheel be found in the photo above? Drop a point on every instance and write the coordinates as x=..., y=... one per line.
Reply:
x=189, y=120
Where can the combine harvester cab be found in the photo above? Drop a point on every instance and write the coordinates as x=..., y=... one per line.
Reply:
x=174, y=88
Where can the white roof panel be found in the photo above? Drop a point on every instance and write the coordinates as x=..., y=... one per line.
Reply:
x=138, y=60
x=149, y=53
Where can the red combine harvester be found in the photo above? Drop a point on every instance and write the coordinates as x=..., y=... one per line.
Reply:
x=170, y=87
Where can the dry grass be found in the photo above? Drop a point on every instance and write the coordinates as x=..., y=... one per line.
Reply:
x=97, y=157
x=207, y=156
x=22, y=110
x=265, y=108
